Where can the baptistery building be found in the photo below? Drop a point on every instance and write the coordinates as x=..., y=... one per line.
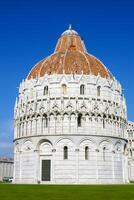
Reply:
x=70, y=120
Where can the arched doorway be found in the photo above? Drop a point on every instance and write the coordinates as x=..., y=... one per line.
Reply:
x=45, y=149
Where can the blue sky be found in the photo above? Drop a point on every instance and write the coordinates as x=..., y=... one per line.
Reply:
x=29, y=31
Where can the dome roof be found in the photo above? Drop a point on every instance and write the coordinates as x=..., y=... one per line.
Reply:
x=70, y=57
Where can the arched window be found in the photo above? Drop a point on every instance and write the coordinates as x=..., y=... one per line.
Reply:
x=86, y=153
x=64, y=89
x=131, y=153
x=79, y=120
x=82, y=90
x=104, y=153
x=45, y=121
x=46, y=90
x=103, y=123
x=98, y=91
x=65, y=156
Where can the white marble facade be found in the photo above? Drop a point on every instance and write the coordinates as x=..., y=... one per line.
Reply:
x=76, y=124
x=47, y=122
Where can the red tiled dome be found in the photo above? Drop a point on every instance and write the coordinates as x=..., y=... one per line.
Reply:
x=70, y=57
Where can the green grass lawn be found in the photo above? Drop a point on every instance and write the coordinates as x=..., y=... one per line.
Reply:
x=66, y=192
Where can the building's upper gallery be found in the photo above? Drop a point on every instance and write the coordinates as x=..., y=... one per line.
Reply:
x=70, y=92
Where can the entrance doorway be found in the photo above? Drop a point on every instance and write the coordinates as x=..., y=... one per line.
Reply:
x=46, y=170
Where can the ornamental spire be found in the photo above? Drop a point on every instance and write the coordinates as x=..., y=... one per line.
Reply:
x=70, y=27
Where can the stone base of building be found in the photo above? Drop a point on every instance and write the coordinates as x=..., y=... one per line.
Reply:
x=44, y=160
